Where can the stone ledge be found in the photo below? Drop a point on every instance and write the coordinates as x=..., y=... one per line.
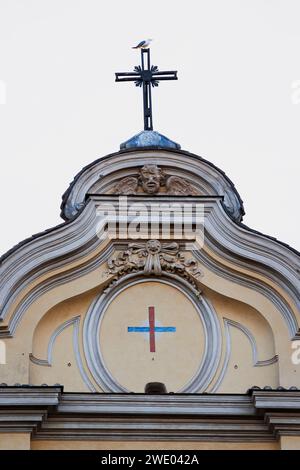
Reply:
x=48, y=413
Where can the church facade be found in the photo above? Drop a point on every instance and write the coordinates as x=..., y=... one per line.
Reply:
x=152, y=278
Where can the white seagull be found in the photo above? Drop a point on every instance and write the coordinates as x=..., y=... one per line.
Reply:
x=143, y=44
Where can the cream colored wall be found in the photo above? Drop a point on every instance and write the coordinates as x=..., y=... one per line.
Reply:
x=20, y=346
x=290, y=442
x=127, y=355
x=15, y=441
x=64, y=369
x=151, y=445
x=178, y=356
x=241, y=375
x=22, y=441
x=231, y=300
x=288, y=374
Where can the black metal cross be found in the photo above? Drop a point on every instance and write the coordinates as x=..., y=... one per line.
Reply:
x=146, y=75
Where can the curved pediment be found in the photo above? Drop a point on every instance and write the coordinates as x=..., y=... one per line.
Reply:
x=75, y=341
x=70, y=297
x=172, y=172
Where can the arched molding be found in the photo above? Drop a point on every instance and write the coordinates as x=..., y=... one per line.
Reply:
x=75, y=322
x=44, y=263
x=256, y=362
x=93, y=178
x=70, y=244
x=207, y=315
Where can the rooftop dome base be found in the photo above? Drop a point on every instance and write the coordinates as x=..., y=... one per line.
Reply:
x=149, y=139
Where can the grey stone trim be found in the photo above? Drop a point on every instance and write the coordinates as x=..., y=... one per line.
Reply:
x=258, y=286
x=47, y=413
x=61, y=247
x=249, y=335
x=208, y=317
x=55, y=334
x=21, y=421
x=247, y=332
x=273, y=399
x=48, y=285
x=169, y=404
x=92, y=179
x=283, y=424
x=76, y=339
x=252, y=248
x=31, y=396
x=39, y=362
x=76, y=239
x=267, y=362
x=155, y=430
x=75, y=321
x=291, y=286
x=12, y=417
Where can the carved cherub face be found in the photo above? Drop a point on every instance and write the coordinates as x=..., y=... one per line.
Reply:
x=153, y=246
x=151, y=178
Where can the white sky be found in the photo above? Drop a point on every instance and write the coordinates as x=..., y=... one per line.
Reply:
x=234, y=103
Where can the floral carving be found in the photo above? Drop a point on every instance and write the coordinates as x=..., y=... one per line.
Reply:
x=153, y=258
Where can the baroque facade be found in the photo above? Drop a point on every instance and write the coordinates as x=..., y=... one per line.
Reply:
x=90, y=316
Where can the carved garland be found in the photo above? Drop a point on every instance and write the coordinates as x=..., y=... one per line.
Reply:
x=152, y=258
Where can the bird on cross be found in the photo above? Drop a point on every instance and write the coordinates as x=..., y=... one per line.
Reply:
x=146, y=76
x=143, y=44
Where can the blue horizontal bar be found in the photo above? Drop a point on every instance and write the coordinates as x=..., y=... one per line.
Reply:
x=146, y=329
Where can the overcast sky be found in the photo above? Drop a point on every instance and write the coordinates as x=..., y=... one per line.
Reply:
x=236, y=103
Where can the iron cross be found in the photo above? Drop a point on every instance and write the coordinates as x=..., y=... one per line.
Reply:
x=146, y=75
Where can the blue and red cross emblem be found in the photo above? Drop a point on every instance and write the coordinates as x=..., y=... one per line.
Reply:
x=151, y=329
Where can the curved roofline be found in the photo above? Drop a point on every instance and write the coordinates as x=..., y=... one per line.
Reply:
x=67, y=222
x=125, y=151
x=138, y=149
x=37, y=235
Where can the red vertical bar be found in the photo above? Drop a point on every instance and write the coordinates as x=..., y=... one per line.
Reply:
x=152, y=328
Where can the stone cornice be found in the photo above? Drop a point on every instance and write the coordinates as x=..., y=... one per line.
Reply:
x=77, y=240
x=49, y=413
x=273, y=399
x=30, y=396
x=214, y=178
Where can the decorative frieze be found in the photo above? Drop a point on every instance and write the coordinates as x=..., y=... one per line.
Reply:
x=153, y=258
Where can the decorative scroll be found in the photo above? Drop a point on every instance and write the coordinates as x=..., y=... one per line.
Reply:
x=152, y=258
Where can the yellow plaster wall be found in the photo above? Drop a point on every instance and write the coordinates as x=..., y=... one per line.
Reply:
x=290, y=442
x=288, y=374
x=152, y=445
x=127, y=355
x=234, y=301
x=241, y=374
x=15, y=441
x=20, y=346
x=64, y=369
